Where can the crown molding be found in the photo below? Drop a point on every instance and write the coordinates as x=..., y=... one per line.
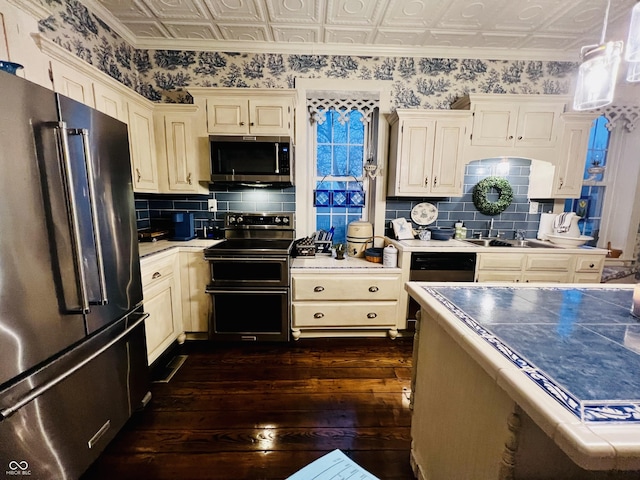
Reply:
x=36, y=10
x=354, y=50
x=116, y=25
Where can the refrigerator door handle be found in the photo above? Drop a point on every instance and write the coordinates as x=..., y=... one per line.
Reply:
x=38, y=391
x=94, y=211
x=62, y=137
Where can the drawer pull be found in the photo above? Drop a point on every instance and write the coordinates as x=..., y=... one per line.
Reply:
x=373, y=289
x=318, y=289
x=156, y=275
x=591, y=265
x=372, y=315
x=318, y=315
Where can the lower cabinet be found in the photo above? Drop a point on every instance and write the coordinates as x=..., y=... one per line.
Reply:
x=539, y=267
x=161, y=291
x=345, y=303
x=195, y=274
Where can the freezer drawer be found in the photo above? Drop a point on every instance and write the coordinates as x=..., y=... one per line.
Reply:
x=61, y=432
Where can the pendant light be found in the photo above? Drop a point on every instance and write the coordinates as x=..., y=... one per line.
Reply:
x=598, y=72
x=632, y=51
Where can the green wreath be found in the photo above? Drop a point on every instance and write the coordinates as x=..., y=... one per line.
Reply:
x=482, y=189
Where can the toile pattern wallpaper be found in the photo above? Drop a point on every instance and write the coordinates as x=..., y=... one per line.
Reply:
x=164, y=75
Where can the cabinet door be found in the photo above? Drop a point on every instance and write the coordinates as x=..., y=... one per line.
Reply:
x=498, y=276
x=143, y=147
x=570, y=169
x=447, y=167
x=494, y=125
x=180, y=153
x=195, y=274
x=72, y=84
x=269, y=116
x=227, y=115
x=415, y=157
x=546, y=277
x=109, y=101
x=536, y=126
x=162, y=303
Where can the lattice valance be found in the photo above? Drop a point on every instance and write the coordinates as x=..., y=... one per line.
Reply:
x=621, y=115
x=319, y=102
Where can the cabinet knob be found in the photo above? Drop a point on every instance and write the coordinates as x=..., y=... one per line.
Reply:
x=519, y=138
x=426, y=181
x=156, y=275
x=561, y=182
x=138, y=174
x=373, y=289
x=242, y=123
x=510, y=137
x=252, y=124
x=318, y=315
x=189, y=178
x=318, y=289
x=372, y=315
x=591, y=265
x=435, y=181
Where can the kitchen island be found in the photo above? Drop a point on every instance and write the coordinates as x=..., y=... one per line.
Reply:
x=526, y=382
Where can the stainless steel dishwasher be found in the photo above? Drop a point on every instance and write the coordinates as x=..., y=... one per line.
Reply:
x=440, y=267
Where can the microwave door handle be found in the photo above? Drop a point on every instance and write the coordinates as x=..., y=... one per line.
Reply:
x=94, y=213
x=62, y=138
x=277, y=158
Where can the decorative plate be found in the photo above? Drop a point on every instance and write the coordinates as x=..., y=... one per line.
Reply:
x=424, y=213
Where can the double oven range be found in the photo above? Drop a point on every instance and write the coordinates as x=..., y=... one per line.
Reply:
x=250, y=283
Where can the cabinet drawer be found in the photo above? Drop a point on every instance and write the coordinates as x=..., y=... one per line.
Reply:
x=157, y=270
x=546, y=277
x=373, y=287
x=589, y=263
x=555, y=262
x=497, y=261
x=344, y=314
x=499, y=276
x=587, y=277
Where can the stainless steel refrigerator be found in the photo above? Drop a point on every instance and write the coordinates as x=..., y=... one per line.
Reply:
x=73, y=362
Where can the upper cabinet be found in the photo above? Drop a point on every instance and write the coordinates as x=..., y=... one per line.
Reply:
x=176, y=148
x=240, y=111
x=516, y=125
x=426, y=152
x=72, y=84
x=563, y=177
x=142, y=144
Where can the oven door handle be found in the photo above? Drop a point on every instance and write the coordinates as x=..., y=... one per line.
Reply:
x=254, y=292
x=247, y=259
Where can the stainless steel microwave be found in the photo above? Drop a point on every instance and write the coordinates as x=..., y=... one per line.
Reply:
x=251, y=160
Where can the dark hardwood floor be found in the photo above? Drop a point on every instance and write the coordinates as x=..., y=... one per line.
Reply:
x=263, y=411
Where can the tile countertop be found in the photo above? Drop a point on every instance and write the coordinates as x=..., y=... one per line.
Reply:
x=151, y=248
x=569, y=356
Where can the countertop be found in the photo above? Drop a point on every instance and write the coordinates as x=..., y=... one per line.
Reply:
x=569, y=356
x=151, y=248
x=326, y=262
x=454, y=245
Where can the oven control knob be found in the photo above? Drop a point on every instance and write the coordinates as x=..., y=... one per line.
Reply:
x=232, y=219
x=276, y=220
x=285, y=220
x=240, y=219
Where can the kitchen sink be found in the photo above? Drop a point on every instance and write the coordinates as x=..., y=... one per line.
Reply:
x=500, y=242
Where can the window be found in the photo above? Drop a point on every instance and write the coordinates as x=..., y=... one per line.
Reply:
x=590, y=204
x=343, y=138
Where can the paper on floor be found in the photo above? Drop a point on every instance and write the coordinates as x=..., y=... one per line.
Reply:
x=333, y=465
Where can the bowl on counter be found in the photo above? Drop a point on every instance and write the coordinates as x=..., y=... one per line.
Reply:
x=565, y=241
x=442, y=233
x=373, y=255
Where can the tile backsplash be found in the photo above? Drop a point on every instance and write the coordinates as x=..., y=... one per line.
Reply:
x=450, y=210
x=154, y=210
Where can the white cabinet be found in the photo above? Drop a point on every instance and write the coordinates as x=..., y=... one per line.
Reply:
x=142, y=144
x=109, y=101
x=161, y=292
x=513, y=120
x=73, y=84
x=426, y=152
x=256, y=111
x=176, y=148
x=563, y=177
x=556, y=267
x=195, y=275
x=344, y=303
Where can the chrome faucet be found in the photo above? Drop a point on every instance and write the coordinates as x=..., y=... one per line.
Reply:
x=490, y=231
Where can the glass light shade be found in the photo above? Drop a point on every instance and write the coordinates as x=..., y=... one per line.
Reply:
x=633, y=72
x=597, y=76
x=632, y=52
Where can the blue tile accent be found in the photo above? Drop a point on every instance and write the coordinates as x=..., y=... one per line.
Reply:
x=579, y=345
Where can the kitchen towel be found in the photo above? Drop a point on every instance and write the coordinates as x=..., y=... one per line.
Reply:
x=546, y=225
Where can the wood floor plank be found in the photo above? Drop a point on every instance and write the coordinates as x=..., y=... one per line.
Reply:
x=263, y=411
